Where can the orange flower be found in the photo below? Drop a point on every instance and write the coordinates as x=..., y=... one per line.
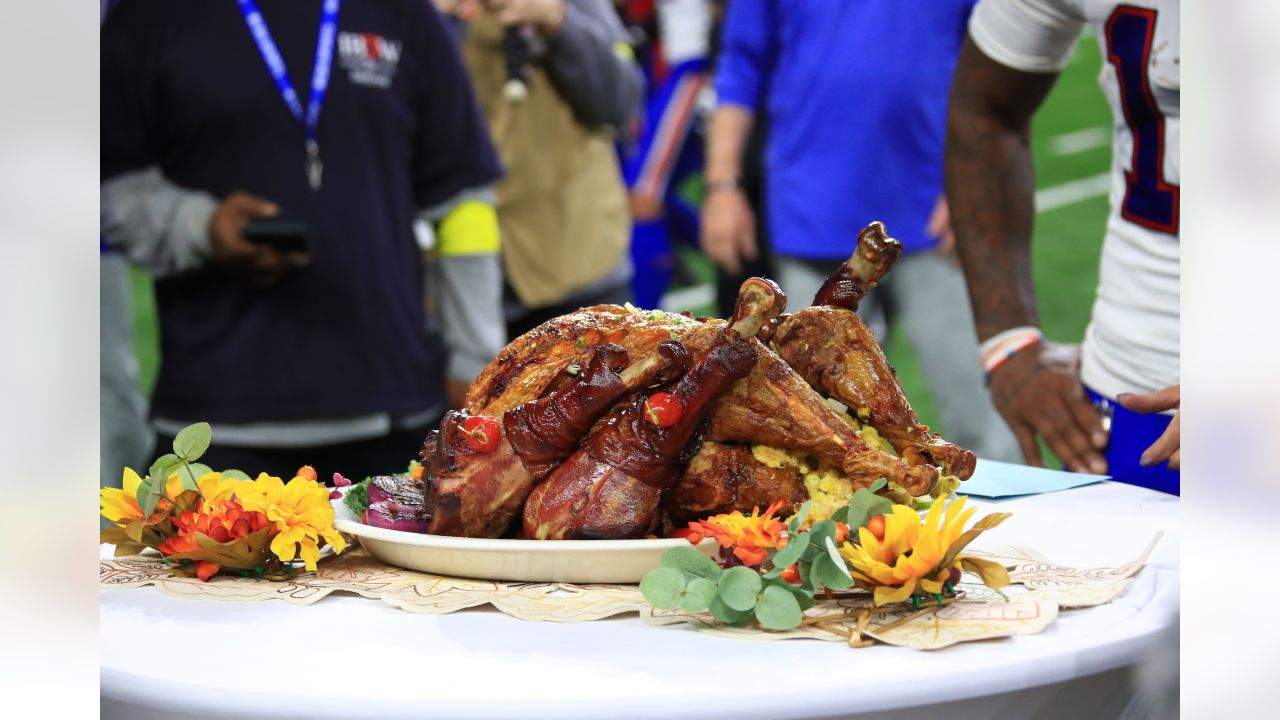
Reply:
x=748, y=535
x=222, y=521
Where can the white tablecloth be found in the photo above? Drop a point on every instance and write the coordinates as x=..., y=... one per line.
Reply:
x=352, y=657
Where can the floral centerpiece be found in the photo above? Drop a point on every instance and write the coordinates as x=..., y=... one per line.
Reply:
x=769, y=571
x=206, y=522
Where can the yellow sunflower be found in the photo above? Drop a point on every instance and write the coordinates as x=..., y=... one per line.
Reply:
x=120, y=505
x=301, y=512
x=215, y=489
x=913, y=555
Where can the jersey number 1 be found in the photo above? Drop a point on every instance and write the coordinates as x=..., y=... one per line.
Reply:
x=1149, y=201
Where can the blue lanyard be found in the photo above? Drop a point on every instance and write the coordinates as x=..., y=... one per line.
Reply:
x=319, y=74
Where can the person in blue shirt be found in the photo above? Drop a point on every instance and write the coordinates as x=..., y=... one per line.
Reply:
x=856, y=107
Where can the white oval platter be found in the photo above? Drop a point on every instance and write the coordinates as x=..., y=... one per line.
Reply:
x=569, y=561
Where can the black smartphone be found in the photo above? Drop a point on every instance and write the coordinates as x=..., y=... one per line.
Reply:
x=283, y=235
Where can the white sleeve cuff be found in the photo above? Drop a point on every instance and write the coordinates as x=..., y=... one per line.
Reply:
x=1036, y=36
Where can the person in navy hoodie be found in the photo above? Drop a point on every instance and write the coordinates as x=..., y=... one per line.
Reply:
x=352, y=120
x=856, y=102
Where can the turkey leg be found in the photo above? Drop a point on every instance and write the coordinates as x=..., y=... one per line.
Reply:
x=610, y=488
x=476, y=485
x=833, y=350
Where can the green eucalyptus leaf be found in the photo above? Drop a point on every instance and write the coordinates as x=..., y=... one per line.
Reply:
x=865, y=505
x=192, y=472
x=828, y=573
x=698, y=595
x=235, y=474
x=778, y=609
x=144, y=488
x=802, y=596
x=158, y=479
x=152, y=499
x=662, y=587
x=839, y=564
x=163, y=467
x=797, y=520
x=819, y=533
x=199, y=469
x=739, y=587
x=691, y=561
x=790, y=554
x=808, y=579
x=726, y=614
x=192, y=441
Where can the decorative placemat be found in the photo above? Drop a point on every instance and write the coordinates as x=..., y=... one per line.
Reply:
x=1039, y=588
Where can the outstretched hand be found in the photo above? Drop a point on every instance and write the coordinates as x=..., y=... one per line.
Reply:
x=1169, y=445
x=1038, y=392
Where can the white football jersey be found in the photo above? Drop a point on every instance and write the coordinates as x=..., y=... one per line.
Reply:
x=1131, y=344
x=685, y=29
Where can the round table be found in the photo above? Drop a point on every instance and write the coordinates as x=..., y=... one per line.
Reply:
x=348, y=657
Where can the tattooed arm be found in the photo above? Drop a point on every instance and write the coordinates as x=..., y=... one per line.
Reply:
x=990, y=186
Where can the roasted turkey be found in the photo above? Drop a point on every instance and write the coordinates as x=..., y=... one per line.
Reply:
x=577, y=459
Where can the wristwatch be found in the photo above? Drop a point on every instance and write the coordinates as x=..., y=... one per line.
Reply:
x=731, y=183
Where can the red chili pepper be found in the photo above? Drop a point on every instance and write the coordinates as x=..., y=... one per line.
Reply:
x=364, y=517
x=791, y=575
x=482, y=433
x=663, y=409
x=876, y=526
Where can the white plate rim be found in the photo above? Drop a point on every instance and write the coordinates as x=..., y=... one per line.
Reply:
x=401, y=537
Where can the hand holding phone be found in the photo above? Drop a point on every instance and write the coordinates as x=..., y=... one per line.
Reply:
x=275, y=251
x=283, y=235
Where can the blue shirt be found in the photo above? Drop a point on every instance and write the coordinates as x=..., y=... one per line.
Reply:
x=857, y=112
x=185, y=89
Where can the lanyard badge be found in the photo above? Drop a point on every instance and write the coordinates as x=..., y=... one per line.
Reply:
x=280, y=74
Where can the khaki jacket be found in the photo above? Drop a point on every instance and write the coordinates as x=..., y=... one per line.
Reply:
x=562, y=207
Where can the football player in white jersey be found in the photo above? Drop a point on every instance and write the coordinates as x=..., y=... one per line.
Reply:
x=1110, y=405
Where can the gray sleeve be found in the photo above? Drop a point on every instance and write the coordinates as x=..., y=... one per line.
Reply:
x=469, y=289
x=158, y=225
x=601, y=84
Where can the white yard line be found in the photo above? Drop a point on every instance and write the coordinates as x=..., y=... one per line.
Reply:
x=1080, y=140
x=1051, y=198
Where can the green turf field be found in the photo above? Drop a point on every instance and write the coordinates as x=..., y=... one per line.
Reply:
x=1071, y=143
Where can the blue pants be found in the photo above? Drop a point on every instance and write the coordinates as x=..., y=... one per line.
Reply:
x=1131, y=434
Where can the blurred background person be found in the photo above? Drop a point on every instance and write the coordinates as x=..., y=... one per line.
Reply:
x=122, y=413
x=562, y=206
x=1093, y=407
x=856, y=105
x=351, y=119
x=125, y=437
x=753, y=185
x=669, y=146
